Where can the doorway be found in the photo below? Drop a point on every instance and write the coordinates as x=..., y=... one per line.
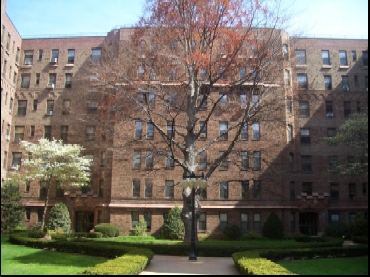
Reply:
x=84, y=221
x=308, y=223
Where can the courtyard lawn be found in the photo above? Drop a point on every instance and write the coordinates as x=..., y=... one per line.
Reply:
x=329, y=266
x=22, y=260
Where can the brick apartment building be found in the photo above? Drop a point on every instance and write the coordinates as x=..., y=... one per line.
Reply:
x=324, y=81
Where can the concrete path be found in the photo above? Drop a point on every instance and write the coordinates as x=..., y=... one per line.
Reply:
x=180, y=265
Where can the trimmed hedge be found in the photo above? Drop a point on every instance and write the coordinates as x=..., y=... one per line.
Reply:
x=36, y=234
x=107, y=229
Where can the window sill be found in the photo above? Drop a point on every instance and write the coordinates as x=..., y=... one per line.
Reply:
x=343, y=67
x=326, y=66
x=301, y=65
x=69, y=64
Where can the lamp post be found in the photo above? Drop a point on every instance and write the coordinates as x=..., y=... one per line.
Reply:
x=192, y=181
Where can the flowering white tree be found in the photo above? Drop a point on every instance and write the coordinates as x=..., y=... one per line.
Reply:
x=54, y=161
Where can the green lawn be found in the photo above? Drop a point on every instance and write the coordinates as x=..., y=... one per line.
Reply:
x=328, y=266
x=22, y=260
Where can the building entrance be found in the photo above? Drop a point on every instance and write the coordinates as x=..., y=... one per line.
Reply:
x=84, y=221
x=308, y=223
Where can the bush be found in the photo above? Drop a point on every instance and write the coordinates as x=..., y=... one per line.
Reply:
x=273, y=227
x=359, y=227
x=233, y=232
x=252, y=235
x=95, y=235
x=140, y=229
x=107, y=229
x=336, y=230
x=36, y=234
x=59, y=218
x=173, y=227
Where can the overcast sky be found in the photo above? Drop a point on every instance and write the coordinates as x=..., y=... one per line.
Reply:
x=320, y=18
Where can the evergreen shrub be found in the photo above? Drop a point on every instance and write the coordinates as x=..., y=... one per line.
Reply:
x=233, y=232
x=140, y=229
x=59, y=218
x=173, y=227
x=107, y=229
x=273, y=227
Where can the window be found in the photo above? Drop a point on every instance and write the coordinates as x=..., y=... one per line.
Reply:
x=47, y=132
x=224, y=190
x=329, y=108
x=256, y=222
x=304, y=110
x=325, y=57
x=202, y=129
x=134, y=219
x=18, y=133
x=32, y=133
x=28, y=57
x=41, y=53
x=244, y=222
x=333, y=217
x=172, y=74
x=202, y=226
x=351, y=216
x=54, y=55
x=223, y=99
x=343, y=57
x=350, y=161
x=347, y=108
x=244, y=132
x=169, y=161
x=287, y=76
x=15, y=78
x=7, y=130
x=328, y=83
x=331, y=132
x=4, y=68
x=223, y=130
x=93, y=105
x=17, y=55
x=256, y=131
x=366, y=83
x=243, y=101
x=68, y=83
x=16, y=162
x=290, y=132
x=333, y=162
x=37, y=81
x=152, y=74
x=148, y=188
x=8, y=41
x=334, y=191
x=170, y=129
x=59, y=190
x=5, y=159
x=171, y=100
x=148, y=220
x=102, y=159
x=142, y=47
x=224, y=165
x=28, y=186
x=64, y=133
x=22, y=107
x=223, y=221
x=90, y=133
x=291, y=161
x=345, y=83
x=352, y=191
x=66, y=107
x=306, y=163
x=95, y=54
x=150, y=130
x=140, y=72
x=256, y=160
x=307, y=188
x=49, y=107
x=292, y=221
x=365, y=59
x=354, y=55
x=305, y=136
x=244, y=160
x=101, y=188
x=136, y=188
x=292, y=190
x=255, y=101
x=71, y=56
x=35, y=102
x=52, y=78
x=11, y=105
x=137, y=159
x=355, y=80
x=245, y=189
x=300, y=56
x=256, y=190
x=138, y=129
x=169, y=189
x=149, y=159
x=42, y=193
x=302, y=81
x=364, y=189
x=203, y=160
x=26, y=79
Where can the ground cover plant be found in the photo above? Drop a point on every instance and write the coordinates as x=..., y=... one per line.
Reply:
x=22, y=260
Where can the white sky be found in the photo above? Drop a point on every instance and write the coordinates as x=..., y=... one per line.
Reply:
x=320, y=18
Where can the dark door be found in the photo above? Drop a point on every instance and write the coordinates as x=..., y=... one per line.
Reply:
x=308, y=223
x=84, y=221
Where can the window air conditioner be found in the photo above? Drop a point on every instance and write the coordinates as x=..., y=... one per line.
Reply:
x=329, y=114
x=50, y=86
x=49, y=113
x=53, y=60
x=7, y=137
x=14, y=167
x=27, y=62
x=202, y=135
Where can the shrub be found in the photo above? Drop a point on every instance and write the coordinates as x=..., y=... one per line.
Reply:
x=252, y=235
x=95, y=235
x=36, y=234
x=59, y=218
x=359, y=227
x=173, y=227
x=233, y=232
x=336, y=230
x=107, y=229
x=140, y=229
x=273, y=227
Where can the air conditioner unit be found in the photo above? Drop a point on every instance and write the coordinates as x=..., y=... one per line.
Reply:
x=329, y=114
x=50, y=86
x=53, y=60
x=49, y=113
x=346, y=88
x=7, y=137
x=203, y=135
x=27, y=62
x=14, y=167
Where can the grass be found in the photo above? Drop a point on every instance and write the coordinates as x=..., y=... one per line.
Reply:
x=328, y=266
x=22, y=260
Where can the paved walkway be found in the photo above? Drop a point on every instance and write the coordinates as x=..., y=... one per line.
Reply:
x=180, y=265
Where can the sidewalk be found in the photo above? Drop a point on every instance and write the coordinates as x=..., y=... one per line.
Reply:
x=180, y=265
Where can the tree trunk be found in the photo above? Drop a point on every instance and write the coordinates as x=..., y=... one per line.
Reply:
x=46, y=206
x=186, y=214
